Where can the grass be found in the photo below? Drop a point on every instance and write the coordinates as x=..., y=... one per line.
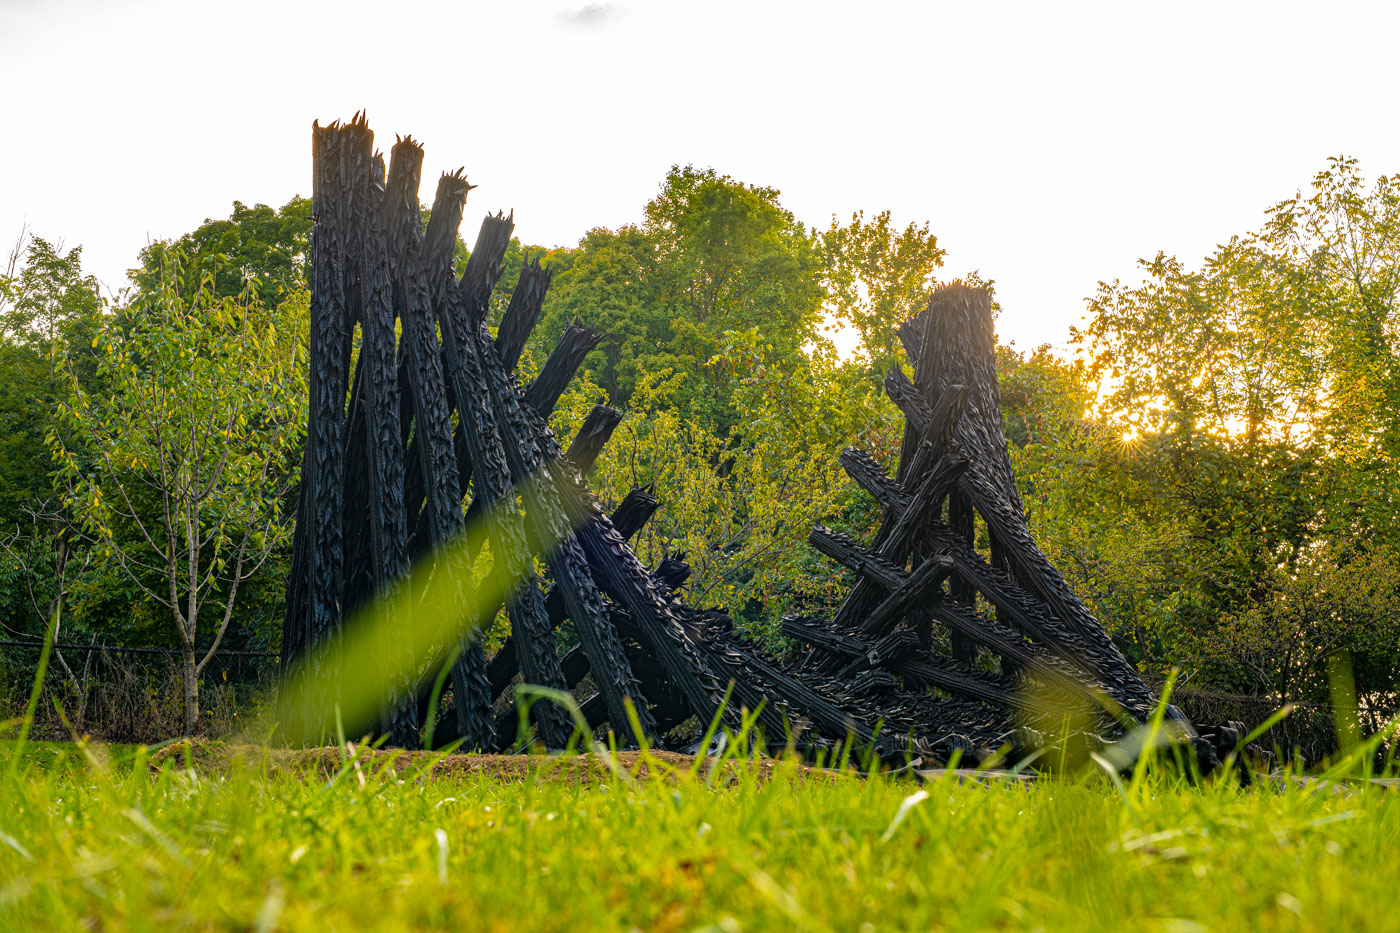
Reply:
x=99, y=838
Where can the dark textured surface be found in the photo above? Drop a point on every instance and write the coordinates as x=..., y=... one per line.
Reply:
x=588, y=443
x=953, y=416
x=521, y=314
x=958, y=347
x=909, y=662
x=314, y=589
x=621, y=575
x=574, y=344
x=632, y=512
x=383, y=455
x=480, y=426
x=899, y=539
x=329, y=363
x=432, y=425
x=529, y=446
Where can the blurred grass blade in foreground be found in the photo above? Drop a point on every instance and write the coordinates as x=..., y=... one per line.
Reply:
x=441, y=605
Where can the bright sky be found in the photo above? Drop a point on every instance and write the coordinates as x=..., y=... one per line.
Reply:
x=1050, y=145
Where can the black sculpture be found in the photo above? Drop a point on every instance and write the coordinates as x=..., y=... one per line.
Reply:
x=388, y=479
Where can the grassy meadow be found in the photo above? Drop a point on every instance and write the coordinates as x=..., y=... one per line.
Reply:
x=105, y=838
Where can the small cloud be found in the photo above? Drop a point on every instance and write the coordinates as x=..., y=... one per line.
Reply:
x=591, y=15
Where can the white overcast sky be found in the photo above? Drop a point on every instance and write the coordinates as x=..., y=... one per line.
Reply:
x=1049, y=145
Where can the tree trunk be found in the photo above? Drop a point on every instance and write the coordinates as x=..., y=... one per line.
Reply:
x=190, y=677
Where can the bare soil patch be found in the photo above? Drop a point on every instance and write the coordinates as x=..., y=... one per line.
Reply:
x=213, y=756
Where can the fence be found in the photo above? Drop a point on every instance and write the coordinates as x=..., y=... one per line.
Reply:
x=1309, y=731
x=124, y=694
x=133, y=695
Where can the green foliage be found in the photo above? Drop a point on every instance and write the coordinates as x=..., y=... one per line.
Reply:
x=176, y=472
x=878, y=277
x=264, y=844
x=1257, y=400
x=43, y=300
x=26, y=400
x=712, y=255
x=608, y=283
x=255, y=244
x=46, y=303
x=1286, y=334
x=1329, y=604
x=1213, y=475
x=737, y=407
x=739, y=505
x=27, y=577
x=1092, y=504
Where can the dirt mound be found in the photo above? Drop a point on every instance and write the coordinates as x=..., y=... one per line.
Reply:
x=211, y=756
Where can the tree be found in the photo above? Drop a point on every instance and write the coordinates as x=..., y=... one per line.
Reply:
x=45, y=302
x=42, y=564
x=43, y=293
x=1334, y=603
x=1342, y=239
x=1227, y=350
x=731, y=255
x=178, y=470
x=1093, y=504
x=877, y=277
x=259, y=244
x=739, y=505
x=610, y=282
x=1285, y=334
x=712, y=255
x=1259, y=399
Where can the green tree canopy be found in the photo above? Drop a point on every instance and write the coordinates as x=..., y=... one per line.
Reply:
x=265, y=245
x=712, y=255
x=177, y=469
x=46, y=303
x=878, y=277
x=1255, y=402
